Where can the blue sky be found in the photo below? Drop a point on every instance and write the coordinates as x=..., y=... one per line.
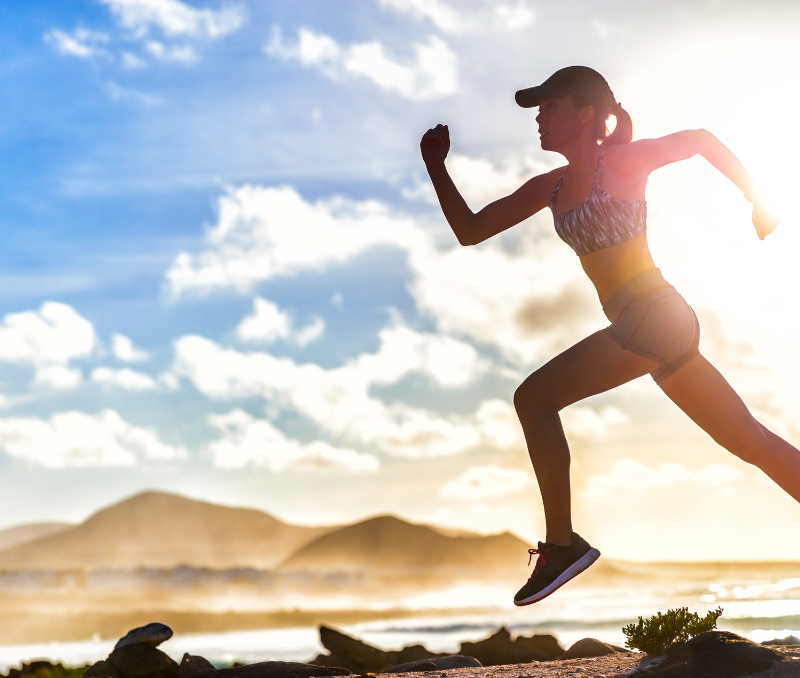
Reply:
x=223, y=275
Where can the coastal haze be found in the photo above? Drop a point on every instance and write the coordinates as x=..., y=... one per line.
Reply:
x=210, y=571
x=250, y=383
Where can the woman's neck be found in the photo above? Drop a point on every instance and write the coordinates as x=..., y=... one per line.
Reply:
x=582, y=157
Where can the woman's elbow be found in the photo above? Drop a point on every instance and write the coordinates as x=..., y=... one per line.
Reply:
x=466, y=240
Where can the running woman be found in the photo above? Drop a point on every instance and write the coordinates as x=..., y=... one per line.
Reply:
x=599, y=209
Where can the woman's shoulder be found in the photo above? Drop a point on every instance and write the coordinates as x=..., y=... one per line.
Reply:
x=626, y=158
x=545, y=181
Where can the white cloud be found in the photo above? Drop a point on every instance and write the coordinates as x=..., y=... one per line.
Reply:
x=480, y=180
x=480, y=482
x=125, y=378
x=263, y=233
x=57, y=377
x=431, y=74
x=176, y=53
x=605, y=29
x=628, y=474
x=498, y=425
x=48, y=339
x=81, y=43
x=123, y=349
x=582, y=421
x=76, y=439
x=467, y=18
x=175, y=18
x=310, y=333
x=450, y=362
x=530, y=303
x=339, y=399
x=54, y=334
x=119, y=93
x=269, y=323
x=247, y=440
x=132, y=61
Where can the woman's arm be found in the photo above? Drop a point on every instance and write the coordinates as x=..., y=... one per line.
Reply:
x=469, y=227
x=649, y=154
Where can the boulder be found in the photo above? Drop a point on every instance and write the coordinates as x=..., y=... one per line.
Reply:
x=362, y=658
x=789, y=640
x=500, y=649
x=453, y=661
x=714, y=654
x=192, y=664
x=357, y=653
x=142, y=659
x=100, y=669
x=590, y=647
x=151, y=634
x=278, y=670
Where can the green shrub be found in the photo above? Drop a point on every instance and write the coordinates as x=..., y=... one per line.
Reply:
x=656, y=635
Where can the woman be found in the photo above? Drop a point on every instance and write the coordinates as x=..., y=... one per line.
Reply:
x=599, y=209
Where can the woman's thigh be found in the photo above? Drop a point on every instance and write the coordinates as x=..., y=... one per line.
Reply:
x=593, y=365
x=710, y=401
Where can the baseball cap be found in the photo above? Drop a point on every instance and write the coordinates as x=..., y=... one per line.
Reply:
x=580, y=81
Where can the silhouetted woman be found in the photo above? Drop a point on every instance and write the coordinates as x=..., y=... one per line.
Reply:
x=599, y=209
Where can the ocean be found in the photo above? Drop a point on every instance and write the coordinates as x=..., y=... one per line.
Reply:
x=759, y=602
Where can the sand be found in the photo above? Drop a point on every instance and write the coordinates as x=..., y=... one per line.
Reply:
x=610, y=666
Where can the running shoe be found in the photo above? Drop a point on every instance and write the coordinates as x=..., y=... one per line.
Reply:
x=555, y=566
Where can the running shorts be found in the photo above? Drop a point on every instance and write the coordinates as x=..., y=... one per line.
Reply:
x=650, y=318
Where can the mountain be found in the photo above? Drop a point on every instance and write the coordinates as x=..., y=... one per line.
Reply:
x=388, y=543
x=22, y=534
x=164, y=530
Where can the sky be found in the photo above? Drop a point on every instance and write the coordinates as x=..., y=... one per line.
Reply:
x=223, y=272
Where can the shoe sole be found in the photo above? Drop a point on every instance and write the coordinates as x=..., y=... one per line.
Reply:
x=570, y=573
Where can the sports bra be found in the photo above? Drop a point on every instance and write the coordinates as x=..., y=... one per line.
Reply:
x=601, y=220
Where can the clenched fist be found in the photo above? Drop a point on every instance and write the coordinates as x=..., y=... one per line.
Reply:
x=435, y=144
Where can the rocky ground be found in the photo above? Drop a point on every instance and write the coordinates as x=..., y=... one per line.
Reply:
x=716, y=654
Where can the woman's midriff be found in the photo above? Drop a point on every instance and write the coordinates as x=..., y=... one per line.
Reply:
x=610, y=268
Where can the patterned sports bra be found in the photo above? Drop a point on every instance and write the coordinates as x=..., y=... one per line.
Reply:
x=601, y=220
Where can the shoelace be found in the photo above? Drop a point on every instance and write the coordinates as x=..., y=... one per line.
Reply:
x=541, y=561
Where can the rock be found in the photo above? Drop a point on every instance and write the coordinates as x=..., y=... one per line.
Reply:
x=100, y=669
x=789, y=640
x=142, y=659
x=362, y=658
x=152, y=634
x=192, y=664
x=501, y=649
x=279, y=670
x=424, y=665
x=453, y=661
x=356, y=655
x=714, y=654
x=590, y=647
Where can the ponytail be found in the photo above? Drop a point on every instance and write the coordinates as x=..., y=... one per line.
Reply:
x=604, y=107
x=623, y=132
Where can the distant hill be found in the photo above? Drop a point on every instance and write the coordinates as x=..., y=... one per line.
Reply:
x=388, y=543
x=164, y=530
x=22, y=534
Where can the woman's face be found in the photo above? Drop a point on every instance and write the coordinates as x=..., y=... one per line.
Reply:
x=560, y=122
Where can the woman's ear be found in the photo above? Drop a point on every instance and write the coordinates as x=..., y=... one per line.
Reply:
x=586, y=114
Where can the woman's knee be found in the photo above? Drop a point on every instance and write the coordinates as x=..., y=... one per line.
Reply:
x=533, y=394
